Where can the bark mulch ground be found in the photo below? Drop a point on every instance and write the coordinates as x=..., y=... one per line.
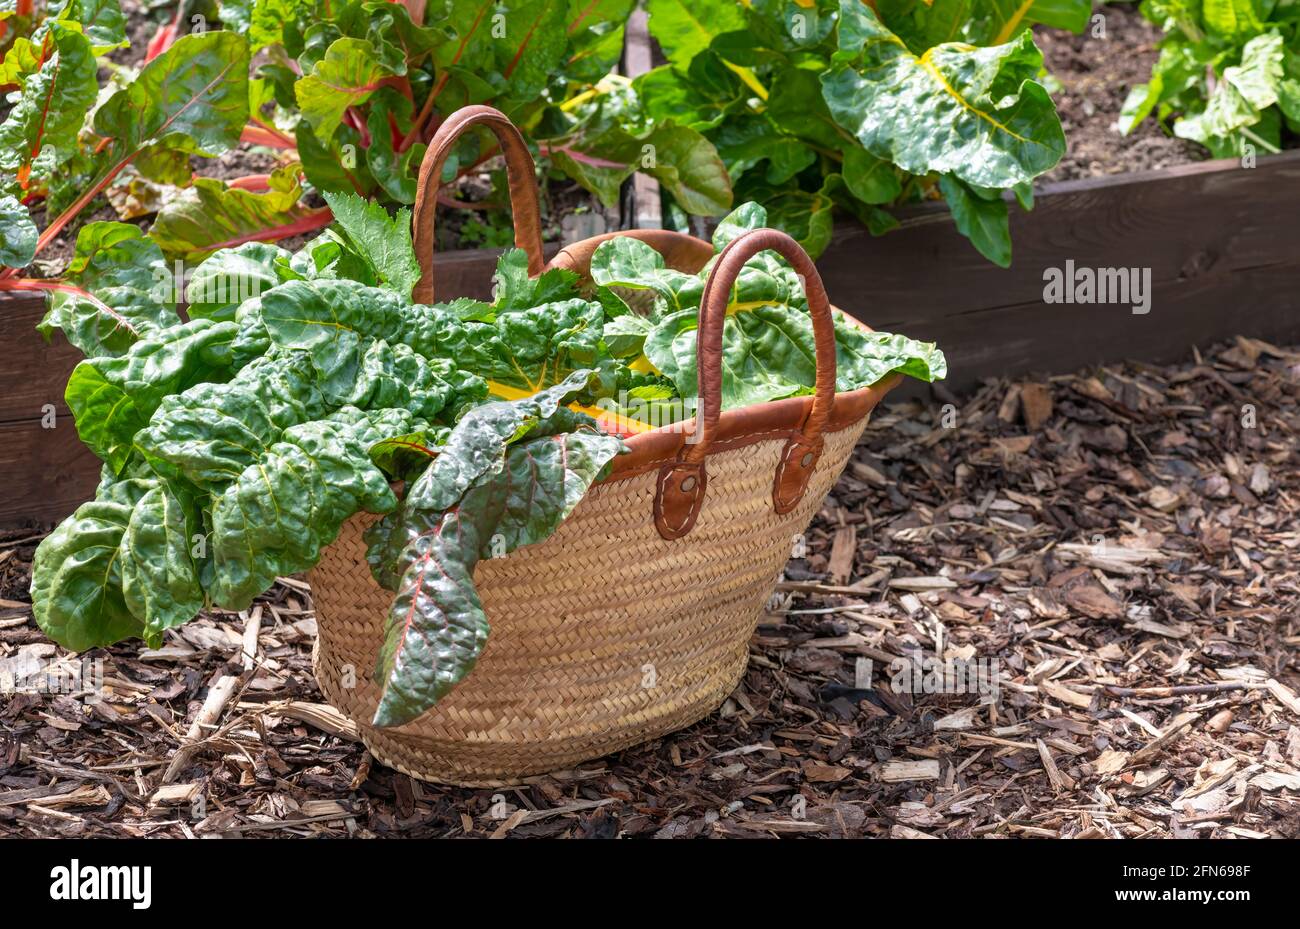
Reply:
x=1120, y=542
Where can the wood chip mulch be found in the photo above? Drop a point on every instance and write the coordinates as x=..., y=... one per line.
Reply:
x=1117, y=548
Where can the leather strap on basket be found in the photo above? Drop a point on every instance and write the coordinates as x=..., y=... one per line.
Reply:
x=519, y=171
x=680, y=491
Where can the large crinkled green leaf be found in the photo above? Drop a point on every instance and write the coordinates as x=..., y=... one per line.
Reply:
x=744, y=218
x=131, y=287
x=535, y=348
x=347, y=76
x=112, y=398
x=395, y=376
x=504, y=478
x=228, y=277
x=107, y=419
x=193, y=98
x=17, y=233
x=383, y=241
x=334, y=320
x=767, y=354
x=211, y=432
x=976, y=113
x=630, y=264
x=768, y=348
x=475, y=445
x=160, y=580
x=288, y=504
x=865, y=358
x=77, y=574
x=40, y=132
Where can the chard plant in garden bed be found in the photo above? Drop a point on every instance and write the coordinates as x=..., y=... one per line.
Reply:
x=345, y=94
x=827, y=104
x=1228, y=74
x=237, y=442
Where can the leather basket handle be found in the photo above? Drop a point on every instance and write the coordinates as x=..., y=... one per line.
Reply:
x=680, y=491
x=520, y=172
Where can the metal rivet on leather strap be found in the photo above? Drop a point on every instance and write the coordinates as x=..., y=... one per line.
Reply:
x=689, y=483
x=806, y=460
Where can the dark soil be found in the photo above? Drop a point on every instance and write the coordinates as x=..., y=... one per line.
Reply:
x=141, y=24
x=1096, y=74
x=1102, y=536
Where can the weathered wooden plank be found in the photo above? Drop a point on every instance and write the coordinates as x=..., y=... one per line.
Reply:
x=1220, y=242
x=44, y=473
x=32, y=371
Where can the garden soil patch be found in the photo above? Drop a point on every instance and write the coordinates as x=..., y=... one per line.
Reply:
x=1121, y=542
x=1095, y=76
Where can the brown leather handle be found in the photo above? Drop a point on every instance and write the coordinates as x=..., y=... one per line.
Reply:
x=520, y=173
x=680, y=491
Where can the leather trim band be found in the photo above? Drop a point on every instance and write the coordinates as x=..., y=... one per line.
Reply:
x=679, y=494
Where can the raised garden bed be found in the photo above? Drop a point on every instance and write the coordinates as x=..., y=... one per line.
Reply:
x=1221, y=241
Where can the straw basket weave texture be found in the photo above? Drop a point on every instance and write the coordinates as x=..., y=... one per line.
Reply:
x=634, y=618
x=603, y=636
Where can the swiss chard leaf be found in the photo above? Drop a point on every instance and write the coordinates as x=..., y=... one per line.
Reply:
x=77, y=597
x=506, y=477
x=211, y=215
x=288, y=504
x=348, y=74
x=160, y=580
x=335, y=320
x=41, y=129
x=111, y=398
x=193, y=98
x=17, y=233
x=230, y=276
x=128, y=291
x=976, y=113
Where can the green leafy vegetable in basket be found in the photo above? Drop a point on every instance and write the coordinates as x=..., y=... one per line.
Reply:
x=1228, y=75
x=307, y=388
x=825, y=105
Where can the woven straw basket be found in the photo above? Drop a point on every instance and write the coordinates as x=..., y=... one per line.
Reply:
x=633, y=619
